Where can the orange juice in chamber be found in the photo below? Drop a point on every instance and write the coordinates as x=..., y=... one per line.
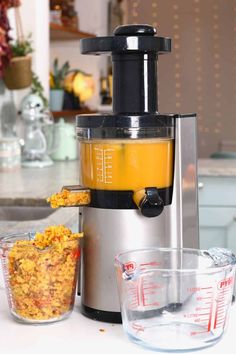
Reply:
x=120, y=164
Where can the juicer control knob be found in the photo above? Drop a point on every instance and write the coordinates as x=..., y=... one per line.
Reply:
x=149, y=202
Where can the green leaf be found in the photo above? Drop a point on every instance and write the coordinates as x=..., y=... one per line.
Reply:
x=59, y=74
x=37, y=88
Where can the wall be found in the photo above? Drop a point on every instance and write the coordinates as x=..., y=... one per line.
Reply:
x=35, y=18
x=93, y=19
x=200, y=74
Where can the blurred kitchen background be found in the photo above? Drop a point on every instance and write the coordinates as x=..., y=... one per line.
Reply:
x=199, y=76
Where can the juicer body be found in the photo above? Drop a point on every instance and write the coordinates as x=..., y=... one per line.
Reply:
x=139, y=166
x=112, y=231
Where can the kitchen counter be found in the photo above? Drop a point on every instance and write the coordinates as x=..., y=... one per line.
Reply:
x=217, y=167
x=30, y=186
x=78, y=334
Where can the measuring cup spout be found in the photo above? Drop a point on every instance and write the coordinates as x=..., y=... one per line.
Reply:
x=221, y=256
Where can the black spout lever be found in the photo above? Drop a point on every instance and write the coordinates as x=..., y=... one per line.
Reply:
x=149, y=202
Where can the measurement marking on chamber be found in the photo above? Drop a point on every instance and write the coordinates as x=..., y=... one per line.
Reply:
x=225, y=291
x=221, y=305
x=195, y=333
x=104, y=168
x=209, y=287
x=150, y=264
x=203, y=308
x=220, y=299
x=222, y=312
x=151, y=287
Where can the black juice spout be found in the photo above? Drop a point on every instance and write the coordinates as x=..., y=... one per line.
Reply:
x=149, y=202
x=135, y=50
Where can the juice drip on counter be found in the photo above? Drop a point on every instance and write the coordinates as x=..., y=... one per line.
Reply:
x=127, y=165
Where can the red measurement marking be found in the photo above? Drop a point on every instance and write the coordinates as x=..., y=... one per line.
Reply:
x=222, y=312
x=142, y=293
x=195, y=333
x=130, y=267
x=202, y=308
x=222, y=299
x=150, y=264
x=224, y=292
x=225, y=283
x=137, y=327
x=220, y=316
x=154, y=286
x=137, y=294
x=220, y=307
x=209, y=287
x=210, y=313
x=220, y=320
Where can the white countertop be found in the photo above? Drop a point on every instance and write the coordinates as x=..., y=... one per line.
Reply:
x=32, y=186
x=78, y=334
x=217, y=167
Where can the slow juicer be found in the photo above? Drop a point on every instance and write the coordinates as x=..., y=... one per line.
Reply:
x=138, y=165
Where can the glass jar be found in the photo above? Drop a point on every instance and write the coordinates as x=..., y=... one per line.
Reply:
x=40, y=283
x=10, y=154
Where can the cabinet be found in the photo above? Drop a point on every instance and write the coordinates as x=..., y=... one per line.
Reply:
x=62, y=33
x=217, y=211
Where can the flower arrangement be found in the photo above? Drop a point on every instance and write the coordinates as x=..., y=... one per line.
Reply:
x=21, y=48
x=5, y=48
x=15, y=61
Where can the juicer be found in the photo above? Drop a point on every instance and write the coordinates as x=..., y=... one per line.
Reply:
x=139, y=166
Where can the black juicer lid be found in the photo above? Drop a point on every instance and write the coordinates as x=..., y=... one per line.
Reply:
x=134, y=50
x=128, y=39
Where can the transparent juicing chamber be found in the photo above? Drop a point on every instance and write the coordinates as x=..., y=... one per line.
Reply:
x=127, y=164
x=126, y=158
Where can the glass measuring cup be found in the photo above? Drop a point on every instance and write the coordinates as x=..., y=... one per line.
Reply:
x=175, y=299
x=40, y=283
